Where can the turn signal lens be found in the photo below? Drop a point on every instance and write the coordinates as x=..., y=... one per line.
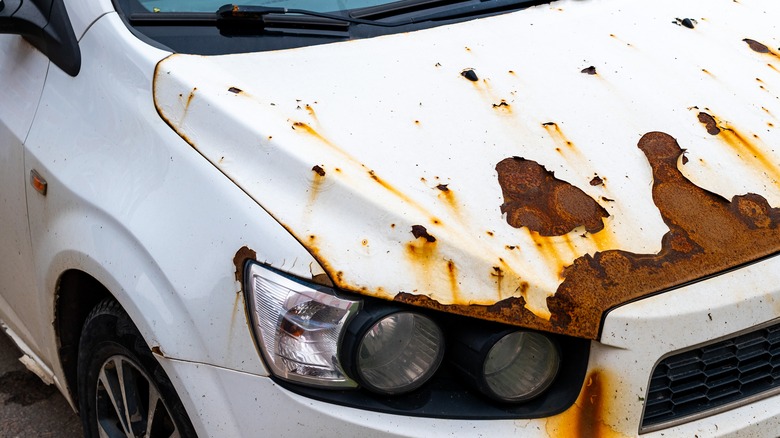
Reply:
x=298, y=327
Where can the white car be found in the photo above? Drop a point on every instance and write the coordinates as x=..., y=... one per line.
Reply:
x=410, y=218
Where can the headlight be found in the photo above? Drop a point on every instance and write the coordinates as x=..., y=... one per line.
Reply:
x=298, y=327
x=508, y=366
x=390, y=351
x=520, y=366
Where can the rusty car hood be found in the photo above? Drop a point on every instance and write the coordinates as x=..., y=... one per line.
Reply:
x=537, y=168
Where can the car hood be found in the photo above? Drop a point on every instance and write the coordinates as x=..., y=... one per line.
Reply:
x=536, y=168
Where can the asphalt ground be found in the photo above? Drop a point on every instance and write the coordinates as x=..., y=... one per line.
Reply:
x=29, y=407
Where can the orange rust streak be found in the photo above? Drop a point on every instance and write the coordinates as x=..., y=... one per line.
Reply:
x=452, y=274
x=751, y=151
x=587, y=418
x=557, y=134
x=548, y=249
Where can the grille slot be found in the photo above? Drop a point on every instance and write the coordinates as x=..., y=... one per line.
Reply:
x=713, y=377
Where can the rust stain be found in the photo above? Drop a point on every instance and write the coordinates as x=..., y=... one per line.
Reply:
x=587, y=418
x=745, y=147
x=316, y=183
x=707, y=234
x=535, y=199
x=557, y=134
x=452, y=275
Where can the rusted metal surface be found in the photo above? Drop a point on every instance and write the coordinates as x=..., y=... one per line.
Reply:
x=536, y=199
x=240, y=259
x=411, y=208
x=707, y=234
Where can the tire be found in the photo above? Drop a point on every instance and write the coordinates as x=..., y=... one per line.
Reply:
x=118, y=380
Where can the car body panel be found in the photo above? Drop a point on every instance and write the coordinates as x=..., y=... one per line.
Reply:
x=107, y=211
x=83, y=14
x=384, y=156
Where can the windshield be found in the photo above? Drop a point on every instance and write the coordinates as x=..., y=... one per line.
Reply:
x=213, y=5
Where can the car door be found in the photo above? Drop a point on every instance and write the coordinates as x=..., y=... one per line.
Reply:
x=23, y=70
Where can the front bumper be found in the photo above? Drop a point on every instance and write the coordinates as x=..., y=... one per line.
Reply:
x=635, y=337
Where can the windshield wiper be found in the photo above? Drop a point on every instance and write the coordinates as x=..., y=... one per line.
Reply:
x=242, y=16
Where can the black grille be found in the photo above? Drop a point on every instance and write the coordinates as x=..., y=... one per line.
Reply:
x=714, y=375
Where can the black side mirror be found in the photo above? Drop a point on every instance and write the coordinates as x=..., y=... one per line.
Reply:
x=45, y=24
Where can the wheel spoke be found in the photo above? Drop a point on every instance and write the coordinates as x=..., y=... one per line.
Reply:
x=111, y=418
x=135, y=389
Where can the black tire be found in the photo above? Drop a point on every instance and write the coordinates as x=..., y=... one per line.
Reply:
x=115, y=360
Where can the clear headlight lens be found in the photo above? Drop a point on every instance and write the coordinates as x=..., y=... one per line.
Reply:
x=299, y=327
x=520, y=366
x=398, y=353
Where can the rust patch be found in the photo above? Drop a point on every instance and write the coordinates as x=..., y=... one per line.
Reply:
x=586, y=418
x=535, y=199
x=589, y=70
x=242, y=255
x=707, y=234
x=709, y=122
x=596, y=181
x=420, y=231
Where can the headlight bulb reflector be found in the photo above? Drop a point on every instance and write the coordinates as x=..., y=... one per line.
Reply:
x=520, y=366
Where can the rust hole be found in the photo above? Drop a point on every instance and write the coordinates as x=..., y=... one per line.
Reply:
x=318, y=170
x=536, y=199
x=443, y=187
x=756, y=46
x=596, y=181
x=470, y=74
x=234, y=90
x=589, y=70
x=420, y=231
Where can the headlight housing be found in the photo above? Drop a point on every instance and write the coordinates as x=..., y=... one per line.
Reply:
x=298, y=327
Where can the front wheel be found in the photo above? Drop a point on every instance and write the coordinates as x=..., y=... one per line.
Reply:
x=123, y=390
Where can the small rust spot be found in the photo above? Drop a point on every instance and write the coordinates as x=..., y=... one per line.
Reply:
x=589, y=70
x=443, y=187
x=239, y=260
x=234, y=90
x=535, y=199
x=596, y=181
x=605, y=199
x=502, y=104
x=420, y=231
x=318, y=170
x=756, y=46
x=709, y=122
x=156, y=350
x=470, y=74
x=490, y=233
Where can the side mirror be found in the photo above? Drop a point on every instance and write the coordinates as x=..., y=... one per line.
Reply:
x=45, y=24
